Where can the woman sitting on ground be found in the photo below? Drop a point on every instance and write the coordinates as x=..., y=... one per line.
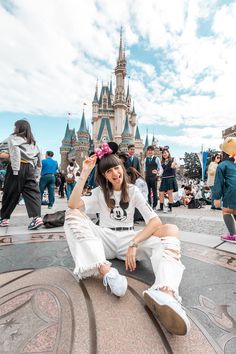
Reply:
x=91, y=245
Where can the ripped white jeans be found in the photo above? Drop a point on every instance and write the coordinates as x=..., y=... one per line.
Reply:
x=92, y=245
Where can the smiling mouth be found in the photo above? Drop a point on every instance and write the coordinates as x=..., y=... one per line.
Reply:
x=115, y=179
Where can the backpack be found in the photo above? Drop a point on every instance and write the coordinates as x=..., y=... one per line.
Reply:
x=194, y=204
x=70, y=177
x=54, y=220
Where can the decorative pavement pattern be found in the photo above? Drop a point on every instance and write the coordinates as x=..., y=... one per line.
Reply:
x=48, y=311
x=202, y=253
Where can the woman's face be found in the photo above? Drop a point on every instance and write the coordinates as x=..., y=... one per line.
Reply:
x=115, y=176
x=165, y=154
x=217, y=158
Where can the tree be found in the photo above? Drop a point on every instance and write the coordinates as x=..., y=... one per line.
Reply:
x=192, y=165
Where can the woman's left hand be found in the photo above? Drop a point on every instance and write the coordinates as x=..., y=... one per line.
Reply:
x=173, y=165
x=130, y=260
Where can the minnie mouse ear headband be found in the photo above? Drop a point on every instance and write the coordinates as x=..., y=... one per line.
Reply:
x=106, y=149
x=166, y=147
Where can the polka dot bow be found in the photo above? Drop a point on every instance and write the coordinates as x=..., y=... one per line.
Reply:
x=105, y=150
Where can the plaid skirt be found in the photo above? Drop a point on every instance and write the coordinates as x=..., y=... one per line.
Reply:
x=168, y=184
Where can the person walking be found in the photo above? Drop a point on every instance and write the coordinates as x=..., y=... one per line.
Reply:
x=71, y=172
x=211, y=172
x=168, y=179
x=47, y=179
x=24, y=157
x=225, y=187
x=61, y=189
x=152, y=169
x=132, y=160
x=93, y=246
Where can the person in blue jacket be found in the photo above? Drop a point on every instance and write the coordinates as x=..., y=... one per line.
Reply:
x=225, y=187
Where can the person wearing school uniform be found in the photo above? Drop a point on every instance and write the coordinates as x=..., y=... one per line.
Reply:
x=152, y=169
x=132, y=160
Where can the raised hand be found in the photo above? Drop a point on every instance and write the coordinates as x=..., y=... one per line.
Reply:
x=89, y=163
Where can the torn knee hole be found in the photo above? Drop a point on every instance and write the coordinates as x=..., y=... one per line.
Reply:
x=173, y=253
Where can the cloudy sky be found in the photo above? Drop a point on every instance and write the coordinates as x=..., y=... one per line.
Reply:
x=181, y=63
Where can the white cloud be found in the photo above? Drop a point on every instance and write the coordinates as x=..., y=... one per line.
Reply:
x=53, y=52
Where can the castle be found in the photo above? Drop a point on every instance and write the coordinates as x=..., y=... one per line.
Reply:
x=113, y=119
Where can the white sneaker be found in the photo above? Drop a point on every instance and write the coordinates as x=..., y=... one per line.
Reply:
x=117, y=283
x=168, y=311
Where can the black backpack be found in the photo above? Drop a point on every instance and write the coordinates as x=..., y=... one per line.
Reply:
x=54, y=220
x=194, y=204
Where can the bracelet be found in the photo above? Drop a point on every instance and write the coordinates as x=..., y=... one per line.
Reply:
x=133, y=244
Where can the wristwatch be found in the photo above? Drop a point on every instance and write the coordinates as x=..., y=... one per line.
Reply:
x=133, y=244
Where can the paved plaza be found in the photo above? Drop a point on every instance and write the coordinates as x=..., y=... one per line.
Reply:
x=44, y=309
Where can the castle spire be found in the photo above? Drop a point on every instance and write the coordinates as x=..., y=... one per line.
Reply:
x=133, y=111
x=146, y=141
x=67, y=133
x=137, y=134
x=126, y=127
x=111, y=87
x=127, y=96
x=121, y=56
x=95, y=100
x=83, y=127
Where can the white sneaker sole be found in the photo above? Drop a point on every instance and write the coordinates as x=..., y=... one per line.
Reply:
x=231, y=241
x=124, y=285
x=169, y=318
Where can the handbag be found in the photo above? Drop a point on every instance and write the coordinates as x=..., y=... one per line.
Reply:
x=56, y=219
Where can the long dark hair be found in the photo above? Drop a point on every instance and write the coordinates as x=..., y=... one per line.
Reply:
x=168, y=158
x=23, y=129
x=103, y=165
x=213, y=158
x=133, y=174
x=225, y=156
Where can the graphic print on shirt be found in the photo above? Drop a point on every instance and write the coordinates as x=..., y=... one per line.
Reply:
x=119, y=211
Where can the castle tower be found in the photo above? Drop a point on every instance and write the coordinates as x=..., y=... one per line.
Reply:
x=111, y=92
x=146, y=142
x=112, y=118
x=65, y=148
x=138, y=143
x=133, y=121
x=120, y=104
x=83, y=142
x=128, y=100
x=126, y=136
x=103, y=120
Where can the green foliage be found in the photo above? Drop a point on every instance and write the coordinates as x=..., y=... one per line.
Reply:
x=192, y=165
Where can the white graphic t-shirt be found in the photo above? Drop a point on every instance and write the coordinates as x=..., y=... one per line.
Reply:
x=122, y=215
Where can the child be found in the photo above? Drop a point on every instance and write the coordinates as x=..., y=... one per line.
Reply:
x=225, y=187
x=92, y=245
x=20, y=178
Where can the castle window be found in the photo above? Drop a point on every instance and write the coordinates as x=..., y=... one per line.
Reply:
x=104, y=103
